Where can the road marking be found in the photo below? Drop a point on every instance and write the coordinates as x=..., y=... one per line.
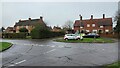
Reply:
x=20, y=62
x=50, y=51
x=52, y=46
x=60, y=46
x=12, y=65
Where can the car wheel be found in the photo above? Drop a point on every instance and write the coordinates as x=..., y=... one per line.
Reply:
x=66, y=39
x=78, y=39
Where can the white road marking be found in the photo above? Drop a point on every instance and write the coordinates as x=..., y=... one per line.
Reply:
x=52, y=46
x=12, y=65
x=60, y=46
x=50, y=51
x=20, y=62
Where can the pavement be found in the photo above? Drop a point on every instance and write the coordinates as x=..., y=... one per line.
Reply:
x=46, y=52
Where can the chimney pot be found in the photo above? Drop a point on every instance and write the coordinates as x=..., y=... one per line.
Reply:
x=20, y=20
x=91, y=16
x=29, y=18
x=41, y=17
x=80, y=17
x=103, y=16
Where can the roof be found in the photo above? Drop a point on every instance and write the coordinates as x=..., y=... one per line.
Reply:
x=29, y=22
x=56, y=27
x=10, y=28
x=100, y=22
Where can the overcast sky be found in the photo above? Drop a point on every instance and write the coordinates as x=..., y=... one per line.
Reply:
x=55, y=13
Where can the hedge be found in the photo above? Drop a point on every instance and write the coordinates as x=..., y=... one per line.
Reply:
x=14, y=35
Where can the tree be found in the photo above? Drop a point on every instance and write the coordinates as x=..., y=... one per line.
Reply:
x=40, y=31
x=117, y=27
x=68, y=25
x=23, y=30
x=2, y=29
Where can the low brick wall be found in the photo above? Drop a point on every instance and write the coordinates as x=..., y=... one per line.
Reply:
x=110, y=35
x=107, y=35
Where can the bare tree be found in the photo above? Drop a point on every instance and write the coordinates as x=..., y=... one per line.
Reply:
x=68, y=25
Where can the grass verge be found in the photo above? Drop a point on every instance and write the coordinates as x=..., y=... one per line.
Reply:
x=113, y=65
x=87, y=40
x=4, y=46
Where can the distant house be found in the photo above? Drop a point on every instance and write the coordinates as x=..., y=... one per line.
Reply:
x=56, y=29
x=10, y=30
x=101, y=25
x=28, y=24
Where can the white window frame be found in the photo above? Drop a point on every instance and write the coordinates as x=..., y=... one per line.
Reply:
x=93, y=25
x=94, y=30
x=107, y=30
x=26, y=27
x=81, y=27
x=88, y=25
x=101, y=26
x=87, y=30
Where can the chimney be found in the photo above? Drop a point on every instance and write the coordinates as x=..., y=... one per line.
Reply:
x=29, y=18
x=20, y=20
x=41, y=17
x=91, y=16
x=80, y=17
x=103, y=16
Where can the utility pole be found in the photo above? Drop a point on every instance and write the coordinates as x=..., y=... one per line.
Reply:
x=80, y=22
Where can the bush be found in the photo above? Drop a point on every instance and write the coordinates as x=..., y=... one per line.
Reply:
x=14, y=35
x=40, y=32
x=23, y=30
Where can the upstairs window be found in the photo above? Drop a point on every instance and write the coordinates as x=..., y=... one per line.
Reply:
x=101, y=26
x=93, y=25
x=88, y=25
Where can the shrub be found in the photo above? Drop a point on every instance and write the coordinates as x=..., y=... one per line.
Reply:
x=23, y=30
x=40, y=32
x=14, y=35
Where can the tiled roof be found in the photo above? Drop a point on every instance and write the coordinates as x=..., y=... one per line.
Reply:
x=29, y=22
x=10, y=28
x=100, y=22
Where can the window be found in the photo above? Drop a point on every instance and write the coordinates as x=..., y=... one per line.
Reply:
x=81, y=27
x=101, y=26
x=88, y=25
x=100, y=31
x=93, y=25
x=87, y=30
x=94, y=31
x=17, y=27
x=106, y=30
x=26, y=27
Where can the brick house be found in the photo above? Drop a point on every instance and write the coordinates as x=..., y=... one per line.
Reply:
x=101, y=25
x=28, y=24
x=56, y=29
x=10, y=30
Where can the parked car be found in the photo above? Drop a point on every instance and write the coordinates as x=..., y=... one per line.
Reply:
x=92, y=35
x=72, y=36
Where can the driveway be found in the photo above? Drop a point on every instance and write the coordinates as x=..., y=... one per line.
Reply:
x=46, y=52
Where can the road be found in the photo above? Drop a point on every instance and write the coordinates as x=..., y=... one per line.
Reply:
x=50, y=53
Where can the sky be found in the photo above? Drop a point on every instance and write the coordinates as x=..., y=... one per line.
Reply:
x=54, y=13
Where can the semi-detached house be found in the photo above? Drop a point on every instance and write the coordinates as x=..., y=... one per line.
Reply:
x=101, y=25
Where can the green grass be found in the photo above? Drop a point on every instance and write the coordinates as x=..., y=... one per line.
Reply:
x=113, y=65
x=4, y=46
x=87, y=40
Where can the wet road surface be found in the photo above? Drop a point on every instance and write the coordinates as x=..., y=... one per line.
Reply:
x=50, y=53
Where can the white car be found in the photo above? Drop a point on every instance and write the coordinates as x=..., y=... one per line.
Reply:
x=72, y=36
